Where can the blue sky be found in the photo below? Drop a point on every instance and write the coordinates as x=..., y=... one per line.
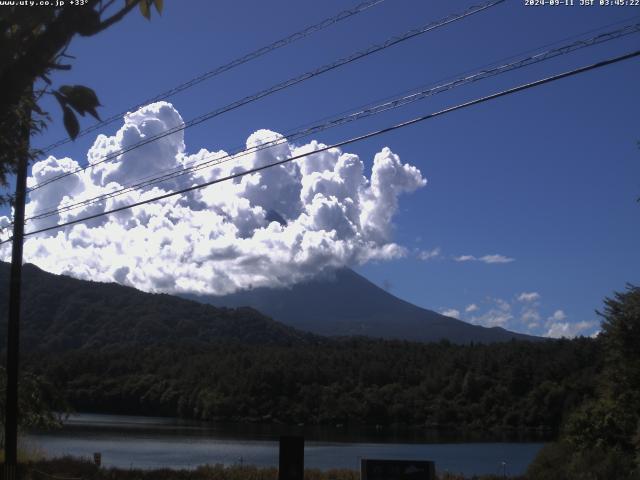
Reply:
x=548, y=178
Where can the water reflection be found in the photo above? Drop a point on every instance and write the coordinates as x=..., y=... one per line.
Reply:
x=151, y=442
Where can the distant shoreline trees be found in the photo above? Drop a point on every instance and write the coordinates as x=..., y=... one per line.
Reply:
x=509, y=387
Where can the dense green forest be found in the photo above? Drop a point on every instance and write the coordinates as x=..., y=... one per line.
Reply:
x=516, y=385
x=108, y=348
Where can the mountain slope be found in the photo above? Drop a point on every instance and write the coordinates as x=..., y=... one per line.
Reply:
x=63, y=313
x=348, y=304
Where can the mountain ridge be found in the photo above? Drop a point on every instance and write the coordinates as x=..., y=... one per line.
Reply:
x=357, y=307
x=63, y=313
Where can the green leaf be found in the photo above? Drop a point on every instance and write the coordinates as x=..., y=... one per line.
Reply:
x=159, y=4
x=61, y=99
x=144, y=9
x=81, y=98
x=65, y=90
x=71, y=123
x=93, y=113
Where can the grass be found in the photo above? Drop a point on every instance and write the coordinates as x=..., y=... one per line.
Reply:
x=26, y=454
x=71, y=468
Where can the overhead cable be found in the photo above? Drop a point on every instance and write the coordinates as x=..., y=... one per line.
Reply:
x=282, y=85
x=213, y=160
x=375, y=133
x=343, y=15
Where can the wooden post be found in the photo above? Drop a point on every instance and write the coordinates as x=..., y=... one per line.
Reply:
x=13, y=333
x=291, y=462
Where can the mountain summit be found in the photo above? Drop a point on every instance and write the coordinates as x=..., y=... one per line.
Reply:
x=345, y=303
x=61, y=312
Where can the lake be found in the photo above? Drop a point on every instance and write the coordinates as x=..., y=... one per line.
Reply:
x=150, y=442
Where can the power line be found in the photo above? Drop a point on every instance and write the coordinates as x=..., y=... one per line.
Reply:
x=375, y=133
x=369, y=110
x=343, y=15
x=413, y=96
x=286, y=84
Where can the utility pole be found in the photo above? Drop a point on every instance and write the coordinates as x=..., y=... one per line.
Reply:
x=13, y=334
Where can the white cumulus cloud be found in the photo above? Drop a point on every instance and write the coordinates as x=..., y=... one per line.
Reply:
x=495, y=258
x=522, y=313
x=471, y=308
x=571, y=329
x=557, y=316
x=530, y=316
x=498, y=314
x=451, y=312
x=527, y=297
x=429, y=254
x=271, y=228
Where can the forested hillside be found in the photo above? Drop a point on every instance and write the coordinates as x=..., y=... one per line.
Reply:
x=61, y=313
x=513, y=385
x=109, y=348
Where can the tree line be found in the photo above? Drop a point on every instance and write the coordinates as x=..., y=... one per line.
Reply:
x=514, y=386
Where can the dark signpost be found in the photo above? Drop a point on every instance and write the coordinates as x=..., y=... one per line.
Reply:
x=371, y=469
x=291, y=465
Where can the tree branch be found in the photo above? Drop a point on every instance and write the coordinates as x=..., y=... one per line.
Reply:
x=35, y=62
x=115, y=18
x=104, y=7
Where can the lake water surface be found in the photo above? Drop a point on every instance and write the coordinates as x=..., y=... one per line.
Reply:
x=150, y=442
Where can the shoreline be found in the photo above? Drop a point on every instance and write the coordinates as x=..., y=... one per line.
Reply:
x=352, y=431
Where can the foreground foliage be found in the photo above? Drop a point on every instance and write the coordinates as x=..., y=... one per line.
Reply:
x=73, y=468
x=34, y=43
x=601, y=439
x=39, y=403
